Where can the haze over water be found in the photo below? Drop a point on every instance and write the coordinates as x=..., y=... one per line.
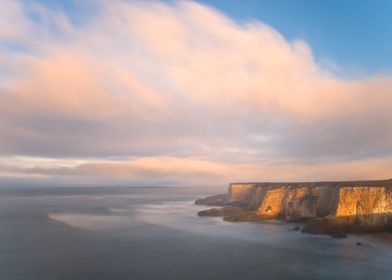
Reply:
x=155, y=233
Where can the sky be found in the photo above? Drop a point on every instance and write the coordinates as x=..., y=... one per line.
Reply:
x=355, y=34
x=194, y=92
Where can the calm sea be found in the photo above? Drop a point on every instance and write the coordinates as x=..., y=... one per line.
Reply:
x=155, y=233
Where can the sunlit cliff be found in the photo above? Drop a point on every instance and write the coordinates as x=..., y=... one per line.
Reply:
x=325, y=207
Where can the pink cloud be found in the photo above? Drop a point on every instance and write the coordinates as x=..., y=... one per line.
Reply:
x=175, y=83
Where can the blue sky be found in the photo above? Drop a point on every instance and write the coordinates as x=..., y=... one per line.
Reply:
x=353, y=33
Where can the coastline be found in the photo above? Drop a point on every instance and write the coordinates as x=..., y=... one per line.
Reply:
x=333, y=208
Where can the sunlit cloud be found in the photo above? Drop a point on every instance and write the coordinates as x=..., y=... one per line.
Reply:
x=143, y=91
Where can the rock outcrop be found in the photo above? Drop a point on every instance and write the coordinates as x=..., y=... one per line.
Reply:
x=335, y=208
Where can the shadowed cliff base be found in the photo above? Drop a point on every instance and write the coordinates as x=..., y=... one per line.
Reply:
x=335, y=208
x=350, y=224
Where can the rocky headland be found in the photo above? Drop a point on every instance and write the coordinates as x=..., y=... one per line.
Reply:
x=334, y=208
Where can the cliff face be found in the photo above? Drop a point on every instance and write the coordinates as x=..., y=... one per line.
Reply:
x=326, y=207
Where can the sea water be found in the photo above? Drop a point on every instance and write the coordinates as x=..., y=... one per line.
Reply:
x=84, y=233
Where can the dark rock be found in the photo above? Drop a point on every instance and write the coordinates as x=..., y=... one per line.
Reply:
x=243, y=216
x=224, y=211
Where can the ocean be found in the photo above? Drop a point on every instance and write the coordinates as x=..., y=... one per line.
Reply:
x=83, y=233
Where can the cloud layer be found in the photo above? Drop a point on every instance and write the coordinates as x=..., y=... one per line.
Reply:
x=150, y=92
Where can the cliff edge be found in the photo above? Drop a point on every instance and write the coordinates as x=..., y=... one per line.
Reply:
x=335, y=208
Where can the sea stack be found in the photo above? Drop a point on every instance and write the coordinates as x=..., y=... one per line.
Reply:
x=335, y=208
